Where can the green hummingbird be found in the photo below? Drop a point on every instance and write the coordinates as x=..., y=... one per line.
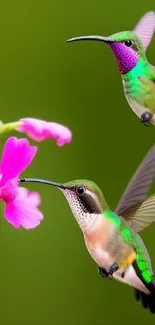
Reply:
x=112, y=237
x=138, y=75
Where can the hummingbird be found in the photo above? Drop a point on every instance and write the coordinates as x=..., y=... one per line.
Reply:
x=138, y=75
x=112, y=237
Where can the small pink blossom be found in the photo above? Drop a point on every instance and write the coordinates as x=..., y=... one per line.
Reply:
x=21, y=205
x=39, y=130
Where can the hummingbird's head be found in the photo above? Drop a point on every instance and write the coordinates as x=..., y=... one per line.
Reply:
x=129, y=46
x=85, y=199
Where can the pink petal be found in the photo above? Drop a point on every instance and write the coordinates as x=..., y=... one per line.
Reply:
x=61, y=133
x=16, y=157
x=145, y=28
x=19, y=213
x=22, y=193
x=39, y=130
x=32, y=198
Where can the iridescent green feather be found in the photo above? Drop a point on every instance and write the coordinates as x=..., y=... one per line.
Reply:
x=141, y=260
x=140, y=84
x=131, y=240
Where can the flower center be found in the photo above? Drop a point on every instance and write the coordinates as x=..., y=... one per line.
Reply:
x=9, y=191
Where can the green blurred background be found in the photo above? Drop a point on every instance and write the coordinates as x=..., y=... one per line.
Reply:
x=47, y=276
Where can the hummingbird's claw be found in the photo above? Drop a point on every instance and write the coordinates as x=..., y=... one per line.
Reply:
x=113, y=268
x=146, y=117
x=103, y=272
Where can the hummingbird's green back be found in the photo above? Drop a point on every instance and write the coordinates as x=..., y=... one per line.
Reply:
x=132, y=240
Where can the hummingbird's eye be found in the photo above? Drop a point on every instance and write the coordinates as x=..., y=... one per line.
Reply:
x=128, y=43
x=80, y=189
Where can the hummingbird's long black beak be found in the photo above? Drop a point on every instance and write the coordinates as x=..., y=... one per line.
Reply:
x=89, y=38
x=43, y=181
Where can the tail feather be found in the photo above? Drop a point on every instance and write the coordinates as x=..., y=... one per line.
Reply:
x=148, y=301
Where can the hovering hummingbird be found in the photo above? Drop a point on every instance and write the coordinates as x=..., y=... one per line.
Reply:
x=138, y=75
x=112, y=237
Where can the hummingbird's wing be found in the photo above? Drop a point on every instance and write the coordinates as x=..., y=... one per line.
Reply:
x=149, y=87
x=145, y=28
x=137, y=212
x=140, y=215
x=140, y=183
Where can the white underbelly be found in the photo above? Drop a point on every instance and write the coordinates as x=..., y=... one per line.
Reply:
x=137, y=108
x=103, y=259
x=131, y=278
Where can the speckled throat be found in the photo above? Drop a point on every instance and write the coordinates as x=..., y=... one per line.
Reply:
x=85, y=217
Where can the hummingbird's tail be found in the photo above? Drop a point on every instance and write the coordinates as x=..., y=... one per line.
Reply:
x=148, y=301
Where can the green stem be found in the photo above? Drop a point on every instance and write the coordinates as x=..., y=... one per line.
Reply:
x=7, y=127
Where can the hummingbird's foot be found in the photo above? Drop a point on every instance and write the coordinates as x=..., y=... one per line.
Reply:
x=146, y=117
x=113, y=268
x=103, y=272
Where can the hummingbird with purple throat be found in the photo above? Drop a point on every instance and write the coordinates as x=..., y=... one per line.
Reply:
x=112, y=238
x=138, y=75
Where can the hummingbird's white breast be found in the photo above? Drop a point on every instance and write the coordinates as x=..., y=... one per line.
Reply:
x=96, y=241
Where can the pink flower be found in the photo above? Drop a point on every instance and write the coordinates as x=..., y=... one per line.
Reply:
x=39, y=130
x=21, y=205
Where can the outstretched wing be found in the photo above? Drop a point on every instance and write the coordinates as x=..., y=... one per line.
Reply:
x=149, y=86
x=137, y=211
x=140, y=216
x=145, y=28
